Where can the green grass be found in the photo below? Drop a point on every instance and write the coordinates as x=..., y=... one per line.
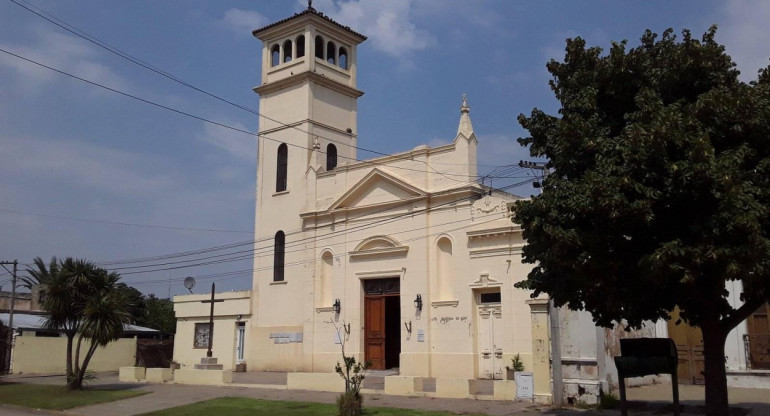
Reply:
x=39, y=396
x=239, y=406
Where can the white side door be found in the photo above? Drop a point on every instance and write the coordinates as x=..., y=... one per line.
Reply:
x=490, y=342
x=240, y=341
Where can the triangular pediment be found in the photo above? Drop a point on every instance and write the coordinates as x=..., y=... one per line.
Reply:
x=377, y=188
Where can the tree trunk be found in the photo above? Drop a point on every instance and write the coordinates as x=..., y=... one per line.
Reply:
x=82, y=372
x=76, y=361
x=714, y=337
x=70, y=374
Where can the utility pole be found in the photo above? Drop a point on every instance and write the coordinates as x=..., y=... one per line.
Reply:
x=15, y=264
x=553, y=312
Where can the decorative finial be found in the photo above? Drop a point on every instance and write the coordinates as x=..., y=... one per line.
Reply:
x=465, y=128
x=316, y=145
x=310, y=4
x=464, y=108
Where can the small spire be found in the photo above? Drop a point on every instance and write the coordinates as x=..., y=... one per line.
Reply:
x=465, y=128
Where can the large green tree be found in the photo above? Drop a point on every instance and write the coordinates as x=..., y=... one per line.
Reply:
x=82, y=301
x=660, y=189
x=159, y=314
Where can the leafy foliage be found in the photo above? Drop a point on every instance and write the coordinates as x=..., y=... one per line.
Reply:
x=661, y=189
x=516, y=364
x=662, y=182
x=158, y=314
x=83, y=301
x=354, y=373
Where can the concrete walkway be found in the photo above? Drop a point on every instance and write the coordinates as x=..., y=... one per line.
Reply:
x=647, y=401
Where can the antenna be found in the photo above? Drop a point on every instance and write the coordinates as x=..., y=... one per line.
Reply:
x=189, y=283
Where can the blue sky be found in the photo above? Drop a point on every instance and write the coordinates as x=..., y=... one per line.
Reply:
x=70, y=150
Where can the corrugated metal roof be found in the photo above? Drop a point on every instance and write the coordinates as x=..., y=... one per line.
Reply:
x=22, y=321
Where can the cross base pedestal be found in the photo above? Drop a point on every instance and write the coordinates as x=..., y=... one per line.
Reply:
x=208, y=363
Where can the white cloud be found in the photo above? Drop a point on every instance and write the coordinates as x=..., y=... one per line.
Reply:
x=64, y=52
x=81, y=165
x=745, y=33
x=388, y=24
x=243, y=22
x=240, y=145
x=500, y=149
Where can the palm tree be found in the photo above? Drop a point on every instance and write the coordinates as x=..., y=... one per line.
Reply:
x=40, y=274
x=82, y=301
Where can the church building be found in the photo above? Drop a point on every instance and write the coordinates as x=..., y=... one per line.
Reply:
x=404, y=259
x=405, y=256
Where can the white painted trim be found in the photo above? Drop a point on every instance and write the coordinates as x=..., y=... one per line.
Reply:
x=439, y=303
x=374, y=274
x=380, y=252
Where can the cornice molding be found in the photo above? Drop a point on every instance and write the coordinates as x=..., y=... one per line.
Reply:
x=305, y=77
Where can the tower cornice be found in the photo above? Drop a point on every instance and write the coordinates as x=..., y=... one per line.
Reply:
x=299, y=19
x=308, y=77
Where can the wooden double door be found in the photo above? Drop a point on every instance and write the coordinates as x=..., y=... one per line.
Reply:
x=689, y=348
x=758, y=328
x=382, y=323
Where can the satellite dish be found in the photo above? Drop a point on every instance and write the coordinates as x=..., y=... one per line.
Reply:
x=189, y=283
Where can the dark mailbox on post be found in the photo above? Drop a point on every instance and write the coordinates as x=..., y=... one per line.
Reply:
x=646, y=356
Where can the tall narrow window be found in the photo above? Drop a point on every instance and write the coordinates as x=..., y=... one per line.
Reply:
x=331, y=157
x=331, y=53
x=283, y=165
x=300, y=46
x=343, y=60
x=327, y=264
x=444, y=269
x=319, y=47
x=287, y=52
x=275, y=55
x=279, y=252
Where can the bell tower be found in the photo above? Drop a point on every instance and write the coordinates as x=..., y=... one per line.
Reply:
x=308, y=121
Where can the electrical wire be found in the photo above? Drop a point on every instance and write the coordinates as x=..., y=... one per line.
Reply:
x=312, y=260
x=77, y=32
x=270, y=248
x=167, y=227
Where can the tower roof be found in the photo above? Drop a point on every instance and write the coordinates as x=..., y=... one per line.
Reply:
x=465, y=128
x=310, y=11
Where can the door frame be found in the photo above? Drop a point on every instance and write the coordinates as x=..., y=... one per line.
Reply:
x=384, y=325
x=477, y=306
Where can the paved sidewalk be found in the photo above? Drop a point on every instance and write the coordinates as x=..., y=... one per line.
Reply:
x=647, y=401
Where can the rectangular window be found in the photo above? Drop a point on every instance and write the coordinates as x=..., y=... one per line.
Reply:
x=493, y=297
x=202, y=334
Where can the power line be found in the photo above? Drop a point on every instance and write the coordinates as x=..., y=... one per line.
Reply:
x=168, y=227
x=312, y=260
x=406, y=155
x=77, y=32
x=243, y=256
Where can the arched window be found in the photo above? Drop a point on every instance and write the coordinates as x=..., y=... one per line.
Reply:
x=331, y=52
x=343, y=60
x=444, y=268
x=283, y=165
x=287, y=53
x=327, y=263
x=275, y=55
x=331, y=157
x=279, y=252
x=300, y=46
x=319, y=47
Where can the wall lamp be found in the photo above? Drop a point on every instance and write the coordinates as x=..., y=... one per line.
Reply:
x=418, y=302
x=337, y=306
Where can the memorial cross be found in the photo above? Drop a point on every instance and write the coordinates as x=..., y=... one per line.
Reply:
x=211, y=318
